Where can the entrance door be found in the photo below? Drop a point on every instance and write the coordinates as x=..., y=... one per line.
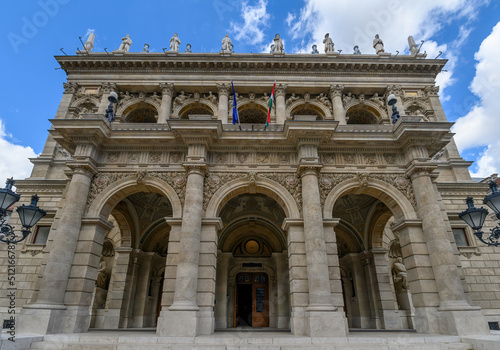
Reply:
x=252, y=300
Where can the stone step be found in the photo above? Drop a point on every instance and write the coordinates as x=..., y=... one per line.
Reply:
x=251, y=341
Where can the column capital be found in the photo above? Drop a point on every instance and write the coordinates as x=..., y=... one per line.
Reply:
x=223, y=88
x=70, y=88
x=394, y=89
x=431, y=91
x=167, y=89
x=280, y=89
x=336, y=90
x=417, y=169
x=86, y=169
x=109, y=87
x=304, y=170
x=200, y=169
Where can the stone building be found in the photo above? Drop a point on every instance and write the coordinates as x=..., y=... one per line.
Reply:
x=331, y=218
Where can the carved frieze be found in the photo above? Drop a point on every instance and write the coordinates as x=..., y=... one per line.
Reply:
x=329, y=158
x=291, y=182
x=370, y=158
x=177, y=180
x=214, y=181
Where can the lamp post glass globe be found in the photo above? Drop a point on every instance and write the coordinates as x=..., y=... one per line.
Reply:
x=493, y=200
x=391, y=100
x=475, y=217
x=29, y=215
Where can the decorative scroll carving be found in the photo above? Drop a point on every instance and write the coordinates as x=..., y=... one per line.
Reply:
x=291, y=182
x=214, y=181
x=177, y=180
x=401, y=183
x=328, y=181
x=70, y=88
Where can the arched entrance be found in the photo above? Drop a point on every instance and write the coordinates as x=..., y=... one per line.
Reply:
x=252, y=288
x=374, y=293
x=129, y=282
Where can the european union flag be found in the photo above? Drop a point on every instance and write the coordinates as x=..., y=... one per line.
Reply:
x=235, y=107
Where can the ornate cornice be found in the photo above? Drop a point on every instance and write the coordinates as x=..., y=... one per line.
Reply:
x=251, y=63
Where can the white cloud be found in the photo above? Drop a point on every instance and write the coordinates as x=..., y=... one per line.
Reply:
x=479, y=127
x=255, y=19
x=14, y=161
x=393, y=20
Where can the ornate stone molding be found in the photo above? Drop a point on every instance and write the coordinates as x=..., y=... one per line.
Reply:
x=308, y=170
x=70, y=88
x=214, y=181
x=394, y=89
x=431, y=91
x=101, y=181
x=291, y=182
x=200, y=169
x=336, y=90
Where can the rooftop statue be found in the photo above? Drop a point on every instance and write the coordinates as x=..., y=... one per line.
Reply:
x=174, y=43
x=315, y=49
x=278, y=44
x=89, y=44
x=146, y=48
x=356, y=50
x=188, y=48
x=125, y=45
x=413, y=46
x=329, y=46
x=272, y=48
x=378, y=45
x=227, y=45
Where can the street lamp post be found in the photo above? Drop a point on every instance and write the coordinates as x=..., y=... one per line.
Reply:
x=391, y=101
x=28, y=214
x=112, y=98
x=474, y=217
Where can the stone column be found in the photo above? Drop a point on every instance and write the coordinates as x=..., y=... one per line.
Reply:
x=185, y=309
x=130, y=289
x=46, y=314
x=167, y=93
x=333, y=262
x=141, y=294
x=106, y=89
x=223, y=90
x=324, y=320
x=282, y=279
x=457, y=316
x=221, y=290
x=338, y=106
x=280, y=92
x=361, y=291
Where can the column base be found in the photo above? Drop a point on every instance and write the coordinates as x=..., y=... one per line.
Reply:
x=326, y=324
x=53, y=319
x=178, y=323
x=463, y=322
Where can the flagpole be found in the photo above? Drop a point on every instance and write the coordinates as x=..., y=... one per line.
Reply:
x=271, y=100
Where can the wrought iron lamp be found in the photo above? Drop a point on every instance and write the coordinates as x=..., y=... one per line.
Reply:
x=112, y=98
x=391, y=101
x=474, y=217
x=28, y=214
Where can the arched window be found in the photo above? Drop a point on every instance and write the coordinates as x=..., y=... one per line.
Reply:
x=362, y=114
x=252, y=114
x=141, y=113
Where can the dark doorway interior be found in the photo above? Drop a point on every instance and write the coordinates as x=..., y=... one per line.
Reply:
x=245, y=305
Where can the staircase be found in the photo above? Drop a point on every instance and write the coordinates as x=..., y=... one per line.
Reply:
x=124, y=340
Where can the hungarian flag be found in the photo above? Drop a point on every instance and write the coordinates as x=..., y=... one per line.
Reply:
x=268, y=121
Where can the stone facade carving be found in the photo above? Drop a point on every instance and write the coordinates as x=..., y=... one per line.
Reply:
x=390, y=158
x=401, y=183
x=329, y=158
x=214, y=181
x=329, y=46
x=126, y=43
x=291, y=182
x=399, y=273
x=176, y=180
x=370, y=158
x=70, y=88
x=350, y=158
x=378, y=45
x=174, y=43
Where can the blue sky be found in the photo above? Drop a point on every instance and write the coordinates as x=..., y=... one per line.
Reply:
x=32, y=32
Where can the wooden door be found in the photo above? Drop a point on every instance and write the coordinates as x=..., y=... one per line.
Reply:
x=260, y=301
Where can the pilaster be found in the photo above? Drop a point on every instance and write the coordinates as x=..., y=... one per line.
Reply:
x=280, y=92
x=168, y=92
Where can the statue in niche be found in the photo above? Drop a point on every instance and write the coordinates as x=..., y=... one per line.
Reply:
x=125, y=45
x=227, y=44
x=174, y=43
x=145, y=49
x=188, y=48
x=399, y=273
x=315, y=49
x=102, y=275
x=378, y=45
x=278, y=44
x=356, y=50
x=292, y=99
x=329, y=46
